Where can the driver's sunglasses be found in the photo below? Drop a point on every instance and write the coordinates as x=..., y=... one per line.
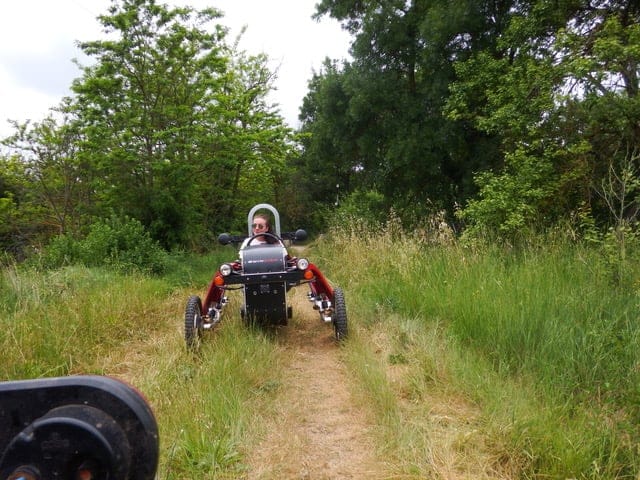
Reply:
x=259, y=225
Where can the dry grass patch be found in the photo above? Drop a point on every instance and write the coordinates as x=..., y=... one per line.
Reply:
x=427, y=427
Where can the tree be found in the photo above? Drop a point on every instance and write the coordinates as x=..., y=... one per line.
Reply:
x=392, y=99
x=19, y=216
x=46, y=186
x=146, y=107
x=169, y=125
x=562, y=86
x=330, y=154
x=58, y=178
x=252, y=140
x=174, y=119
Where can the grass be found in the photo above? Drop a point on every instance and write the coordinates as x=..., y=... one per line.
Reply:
x=535, y=344
x=477, y=362
x=210, y=400
x=90, y=321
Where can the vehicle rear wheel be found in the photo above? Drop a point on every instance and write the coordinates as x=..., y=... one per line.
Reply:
x=340, y=315
x=193, y=326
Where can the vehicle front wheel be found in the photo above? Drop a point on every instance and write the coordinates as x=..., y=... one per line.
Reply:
x=340, y=315
x=193, y=326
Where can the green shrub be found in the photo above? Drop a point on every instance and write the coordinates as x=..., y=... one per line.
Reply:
x=367, y=206
x=62, y=250
x=120, y=243
x=511, y=202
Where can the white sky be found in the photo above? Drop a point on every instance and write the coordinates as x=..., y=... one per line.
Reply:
x=38, y=37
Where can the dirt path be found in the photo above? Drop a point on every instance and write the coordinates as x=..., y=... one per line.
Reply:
x=318, y=432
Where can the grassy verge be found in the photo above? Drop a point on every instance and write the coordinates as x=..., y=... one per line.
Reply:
x=90, y=321
x=535, y=348
x=477, y=362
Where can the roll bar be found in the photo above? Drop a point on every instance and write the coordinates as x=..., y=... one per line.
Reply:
x=263, y=206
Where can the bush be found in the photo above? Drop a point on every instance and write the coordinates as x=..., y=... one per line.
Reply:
x=122, y=244
x=366, y=206
x=62, y=250
x=511, y=202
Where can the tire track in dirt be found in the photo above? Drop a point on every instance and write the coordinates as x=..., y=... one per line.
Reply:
x=317, y=432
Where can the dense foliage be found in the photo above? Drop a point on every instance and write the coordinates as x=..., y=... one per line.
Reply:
x=168, y=125
x=122, y=244
x=521, y=112
x=509, y=116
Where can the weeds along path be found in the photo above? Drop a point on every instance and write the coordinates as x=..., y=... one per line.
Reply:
x=318, y=432
x=321, y=422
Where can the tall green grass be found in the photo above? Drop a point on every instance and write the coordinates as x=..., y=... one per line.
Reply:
x=79, y=320
x=211, y=403
x=522, y=362
x=61, y=322
x=538, y=336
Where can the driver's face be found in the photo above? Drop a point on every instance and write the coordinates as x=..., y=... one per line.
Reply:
x=259, y=225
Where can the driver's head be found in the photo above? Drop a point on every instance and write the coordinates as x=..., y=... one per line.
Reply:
x=261, y=224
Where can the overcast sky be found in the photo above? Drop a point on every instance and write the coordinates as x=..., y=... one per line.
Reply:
x=37, y=46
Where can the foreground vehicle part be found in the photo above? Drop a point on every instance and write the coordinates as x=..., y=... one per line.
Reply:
x=76, y=428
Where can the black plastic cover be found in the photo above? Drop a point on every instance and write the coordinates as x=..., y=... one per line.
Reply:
x=76, y=427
